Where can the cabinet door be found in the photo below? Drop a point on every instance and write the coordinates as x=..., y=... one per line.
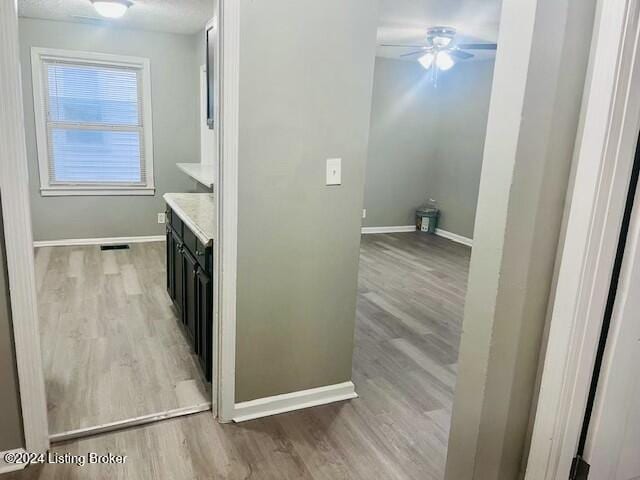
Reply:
x=177, y=272
x=205, y=322
x=171, y=289
x=189, y=310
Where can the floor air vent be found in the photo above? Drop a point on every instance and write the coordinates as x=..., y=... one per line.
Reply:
x=114, y=247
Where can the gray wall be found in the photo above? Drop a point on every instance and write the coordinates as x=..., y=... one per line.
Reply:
x=402, y=142
x=426, y=142
x=175, y=90
x=200, y=53
x=10, y=414
x=464, y=94
x=305, y=96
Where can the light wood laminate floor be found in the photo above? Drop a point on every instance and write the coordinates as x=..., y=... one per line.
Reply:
x=111, y=345
x=409, y=315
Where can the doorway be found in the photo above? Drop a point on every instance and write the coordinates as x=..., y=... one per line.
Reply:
x=113, y=113
x=432, y=88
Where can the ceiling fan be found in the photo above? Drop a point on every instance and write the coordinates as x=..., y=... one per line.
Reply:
x=440, y=48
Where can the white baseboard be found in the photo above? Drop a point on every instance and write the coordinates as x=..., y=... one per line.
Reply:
x=264, y=407
x=11, y=467
x=398, y=229
x=98, y=241
x=412, y=228
x=455, y=237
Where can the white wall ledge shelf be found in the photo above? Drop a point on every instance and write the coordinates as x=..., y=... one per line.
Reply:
x=202, y=173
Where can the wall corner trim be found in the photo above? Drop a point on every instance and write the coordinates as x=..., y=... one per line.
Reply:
x=412, y=228
x=98, y=241
x=11, y=467
x=264, y=407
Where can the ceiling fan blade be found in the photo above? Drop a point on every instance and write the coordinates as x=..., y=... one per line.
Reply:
x=413, y=53
x=477, y=46
x=460, y=54
x=402, y=46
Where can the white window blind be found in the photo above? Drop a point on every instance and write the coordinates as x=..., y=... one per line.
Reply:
x=93, y=119
x=94, y=126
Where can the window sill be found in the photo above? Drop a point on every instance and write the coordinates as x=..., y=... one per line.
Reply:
x=95, y=192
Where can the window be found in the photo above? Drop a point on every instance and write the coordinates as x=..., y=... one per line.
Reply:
x=93, y=123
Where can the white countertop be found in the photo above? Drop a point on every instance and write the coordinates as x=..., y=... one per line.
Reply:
x=197, y=211
x=201, y=172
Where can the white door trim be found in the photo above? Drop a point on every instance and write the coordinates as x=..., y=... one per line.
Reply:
x=227, y=196
x=616, y=401
x=605, y=151
x=14, y=188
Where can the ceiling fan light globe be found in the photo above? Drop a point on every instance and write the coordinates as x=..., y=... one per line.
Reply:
x=441, y=42
x=111, y=8
x=427, y=60
x=444, y=61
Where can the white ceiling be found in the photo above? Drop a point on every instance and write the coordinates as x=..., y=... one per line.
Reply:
x=401, y=21
x=405, y=22
x=176, y=16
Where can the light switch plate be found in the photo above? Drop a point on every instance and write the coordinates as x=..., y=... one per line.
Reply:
x=334, y=171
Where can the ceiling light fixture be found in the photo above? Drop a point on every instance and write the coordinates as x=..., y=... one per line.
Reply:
x=444, y=61
x=427, y=60
x=441, y=42
x=111, y=8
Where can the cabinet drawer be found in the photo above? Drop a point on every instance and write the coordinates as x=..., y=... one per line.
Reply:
x=190, y=240
x=176, y=223
x=201, y=253
x=204, y=257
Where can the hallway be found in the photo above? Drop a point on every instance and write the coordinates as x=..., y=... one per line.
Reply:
x=410, y=304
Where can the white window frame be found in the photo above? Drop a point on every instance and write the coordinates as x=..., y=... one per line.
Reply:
x=40, y=55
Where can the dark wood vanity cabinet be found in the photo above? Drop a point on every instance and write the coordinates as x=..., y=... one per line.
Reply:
x=190, y=286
